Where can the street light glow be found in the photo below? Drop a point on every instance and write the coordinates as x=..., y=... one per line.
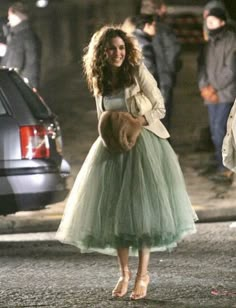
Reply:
x=41, y=3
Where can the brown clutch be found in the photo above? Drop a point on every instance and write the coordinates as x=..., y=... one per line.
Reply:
x=118, y=130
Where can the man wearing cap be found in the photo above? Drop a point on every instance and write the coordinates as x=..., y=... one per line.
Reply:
x=217, y=81
x=22, y=47
x=210, y=5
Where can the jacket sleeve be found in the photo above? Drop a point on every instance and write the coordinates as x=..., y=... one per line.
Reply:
x=202, y=76
x=228, y=71
x=148, y=86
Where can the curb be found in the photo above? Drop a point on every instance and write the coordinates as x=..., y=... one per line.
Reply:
x=21, y=225
x=44, y=220
x=215, y=215
x=50, y=222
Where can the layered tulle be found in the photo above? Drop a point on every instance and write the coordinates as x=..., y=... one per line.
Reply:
x=137, y=199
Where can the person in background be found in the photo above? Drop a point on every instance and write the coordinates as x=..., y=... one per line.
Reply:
x=167, y=51
x=23, y=48
x=144, y=32
x=217, y=82
x=206, y=168
x=210, y=5
x=130, y=201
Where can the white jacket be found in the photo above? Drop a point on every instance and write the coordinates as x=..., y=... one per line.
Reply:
x=152, y=106
x=229, y=143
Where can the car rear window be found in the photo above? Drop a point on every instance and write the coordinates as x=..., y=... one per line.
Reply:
x=36, y=104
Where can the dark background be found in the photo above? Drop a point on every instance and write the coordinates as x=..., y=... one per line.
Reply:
x=65, y=26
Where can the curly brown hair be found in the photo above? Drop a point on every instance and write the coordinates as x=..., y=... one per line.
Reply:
x=96, y=68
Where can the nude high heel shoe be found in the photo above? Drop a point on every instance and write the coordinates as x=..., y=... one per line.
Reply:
x=140, y=287
x=121, y=287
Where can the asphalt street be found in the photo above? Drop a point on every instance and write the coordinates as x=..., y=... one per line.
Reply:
x=37, y=271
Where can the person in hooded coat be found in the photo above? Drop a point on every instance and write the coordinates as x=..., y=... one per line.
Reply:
x=217, y=81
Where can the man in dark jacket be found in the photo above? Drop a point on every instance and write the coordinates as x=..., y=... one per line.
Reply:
x=210, y=5
x=23, y=47
x=144, y=32
x=217, y=80
x=167, y=51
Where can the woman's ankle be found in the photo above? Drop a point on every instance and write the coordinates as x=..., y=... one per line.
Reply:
x=142, y=274
x=125, y=273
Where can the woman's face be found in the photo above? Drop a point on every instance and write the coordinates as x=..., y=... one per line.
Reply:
x=213, y=22
x=115, y=52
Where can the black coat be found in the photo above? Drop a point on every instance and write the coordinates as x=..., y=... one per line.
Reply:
x=24, y=52
x=3, y=29
x=167, y=50
x=149, y=59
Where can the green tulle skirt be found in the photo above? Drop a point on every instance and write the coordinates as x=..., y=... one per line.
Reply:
x=137, y=199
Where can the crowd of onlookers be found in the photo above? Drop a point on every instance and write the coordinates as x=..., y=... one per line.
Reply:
x=216, y=65
x=20, y=48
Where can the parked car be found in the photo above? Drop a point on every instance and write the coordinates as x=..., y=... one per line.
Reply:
x=33, y=172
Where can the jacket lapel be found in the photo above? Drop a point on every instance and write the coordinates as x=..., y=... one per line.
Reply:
x=132, y=90
x=98, y=99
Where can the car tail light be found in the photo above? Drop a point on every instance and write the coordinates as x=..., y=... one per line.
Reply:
x=34, y=142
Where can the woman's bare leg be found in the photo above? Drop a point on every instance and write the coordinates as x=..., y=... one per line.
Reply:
x=142, y=277
x=121, y=287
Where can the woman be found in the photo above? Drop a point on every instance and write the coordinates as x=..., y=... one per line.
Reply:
x=134, y=201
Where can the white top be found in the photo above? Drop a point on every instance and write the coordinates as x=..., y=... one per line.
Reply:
x=115, y=101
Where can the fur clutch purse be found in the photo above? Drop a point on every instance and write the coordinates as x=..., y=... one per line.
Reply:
x=118, y=130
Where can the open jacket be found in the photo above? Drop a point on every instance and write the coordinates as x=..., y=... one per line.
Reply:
x=153, y=104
